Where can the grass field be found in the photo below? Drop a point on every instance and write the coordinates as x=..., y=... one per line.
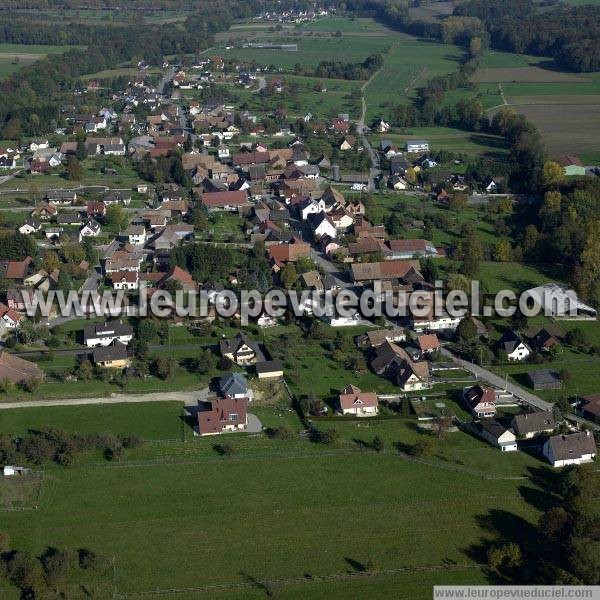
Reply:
x=15, y=56
x=454, y=140
x=312, y=51
x=408, y=65
x=284, y=506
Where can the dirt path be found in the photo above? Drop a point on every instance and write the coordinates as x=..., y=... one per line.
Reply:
x=185, y=397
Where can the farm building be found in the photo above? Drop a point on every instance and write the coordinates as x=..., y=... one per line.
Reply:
x=544, y=379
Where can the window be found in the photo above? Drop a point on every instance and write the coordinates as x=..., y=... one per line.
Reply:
x=233, y=417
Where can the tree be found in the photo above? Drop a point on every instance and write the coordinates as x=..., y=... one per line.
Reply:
x=64, y=283
x=552, y=174
x=458, y=202
x=85, y=370
x=50, y=261
x=4, y=542
x=441, y=425
x=503, y=251
x=411, y=176
x=423, y=447
x=74, y=169
x=507, y=556
x=288, y=275
x=116, y=215
x=164, y=367
x=466, y=330
x=81, y=151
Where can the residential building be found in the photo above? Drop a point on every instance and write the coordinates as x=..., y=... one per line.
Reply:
x=111, y=357
x=480, y=401
x=571, y=449
x=353, y=401
x=496, y=434
x=97, y=334
x=528, y=425
x=241, y=350
x=417, y=146
x=270, y=369
x=221, y=415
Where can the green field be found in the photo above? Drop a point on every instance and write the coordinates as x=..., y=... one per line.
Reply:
x=284, y=507
x=312, y=51
x=410, y=63
x=447, y=138
x=15, y=56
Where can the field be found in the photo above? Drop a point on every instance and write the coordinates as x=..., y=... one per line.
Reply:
x=564, y=106
x=409, y=64
x=313, y=50
x=454, y=140
x=15, y=56
x=285, y=507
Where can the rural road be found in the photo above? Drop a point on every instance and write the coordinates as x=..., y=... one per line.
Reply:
x=186, y=397
x=499, y=382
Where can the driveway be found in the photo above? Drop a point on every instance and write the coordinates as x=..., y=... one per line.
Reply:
x=254, y=424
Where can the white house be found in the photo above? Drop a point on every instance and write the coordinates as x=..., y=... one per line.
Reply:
x=135, y=234
x=496, y=434
x=516, y=349
x=104, y=334
x=571, y=449
x=322, y=225
x=30, y=226
x=90, y=229
x=125, y=280
x=223, y=151
x=352, y=401
x=311, y=207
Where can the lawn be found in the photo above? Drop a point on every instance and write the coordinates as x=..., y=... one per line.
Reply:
x=152, y=420
x=286, y=514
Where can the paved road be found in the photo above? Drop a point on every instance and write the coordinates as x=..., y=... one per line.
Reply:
x=330, y=268
x=499, y=382
x=186, y=397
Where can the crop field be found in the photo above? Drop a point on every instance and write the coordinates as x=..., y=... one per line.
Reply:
x=408, y=65
x=563, y=106
x=15, y=56
x=176, y=503
x=344, y=25
x=431, y=12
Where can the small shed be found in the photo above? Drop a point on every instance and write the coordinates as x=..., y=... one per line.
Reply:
x=544, y=379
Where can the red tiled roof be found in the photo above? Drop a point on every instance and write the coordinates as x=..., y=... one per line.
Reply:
x=352, y=396
x=221, y=199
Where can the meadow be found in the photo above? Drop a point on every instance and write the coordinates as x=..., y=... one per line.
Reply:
x=15, y=56
x=410, y=63
x=285, y=507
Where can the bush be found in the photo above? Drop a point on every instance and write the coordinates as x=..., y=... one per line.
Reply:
x=224, y=449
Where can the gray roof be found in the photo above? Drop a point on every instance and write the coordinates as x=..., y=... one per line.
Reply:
x=574, y=445
x=492, y=427
x=115, y=351
x=533, y=422
x=114, y=328
x=269, y=366
x=233, y=384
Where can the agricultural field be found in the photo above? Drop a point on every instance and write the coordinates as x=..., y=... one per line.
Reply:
x=564, y=106
x=15, y=56
x=411, y=62
x=298, y=544
x=312, y=50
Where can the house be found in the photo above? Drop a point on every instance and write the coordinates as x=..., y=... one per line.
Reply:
x=288, y=252
x=494, y=185
x=496, y=434
x=179, y=278
x=270, y=369
x=125, y=280
x=374, y=338
x=310, y=206
x=413, y=376
x=590, y=408
x=570, y=449
x=8, y=162
x=17, y=369
x=417, y=146
x=135, y=235
x=528, y=425
x=90, y=229
x=223, y=151
x=239, y=350
x=544, y=379
x=97, y=334
x=221, y=415
x=70, y=218
x=322, y=225
x=402, y=249
x=352, y=401
x=30, y=226
x=480, y=401
x=516, y=349
x=9, y=317
x=111, y=357
x=348, y=143
x=428, y=343
x=234, y=385
x=571, y=165
x=544, y=341
x=231, y=201
x=384, y=270
x=15, y=270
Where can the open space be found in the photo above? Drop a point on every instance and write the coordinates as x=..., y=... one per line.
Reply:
x=15, y=56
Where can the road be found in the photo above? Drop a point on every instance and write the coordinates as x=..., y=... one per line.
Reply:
x=375, y=170
x=329, y=268
x=262, y=84
x=190, y=397
x=499, y=382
